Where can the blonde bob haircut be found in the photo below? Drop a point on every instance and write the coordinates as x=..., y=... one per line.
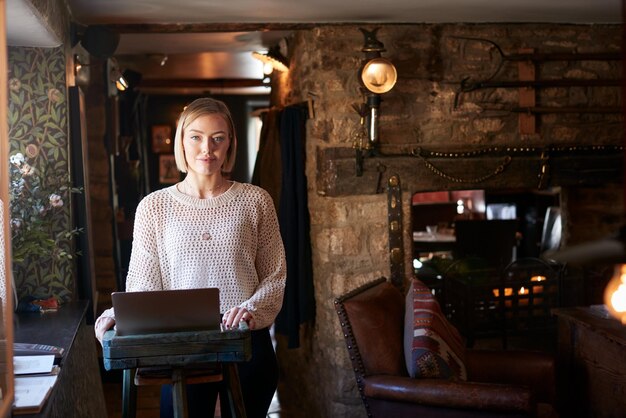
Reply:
x=201, y=107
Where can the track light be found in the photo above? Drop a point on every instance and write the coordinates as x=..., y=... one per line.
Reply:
x=121, y=83
x=116, y=76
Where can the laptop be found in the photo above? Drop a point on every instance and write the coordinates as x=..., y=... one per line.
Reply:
x=161, y=311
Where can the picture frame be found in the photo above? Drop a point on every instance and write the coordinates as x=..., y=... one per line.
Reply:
x=168, y=173
x=162, y=141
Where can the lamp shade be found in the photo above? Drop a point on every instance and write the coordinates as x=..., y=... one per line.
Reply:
x=379, y=75
x=274, y=58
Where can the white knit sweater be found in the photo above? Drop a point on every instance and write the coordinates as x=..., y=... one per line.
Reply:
x=231, y=242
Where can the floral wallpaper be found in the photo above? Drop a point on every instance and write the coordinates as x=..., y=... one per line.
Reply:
x=41, y=231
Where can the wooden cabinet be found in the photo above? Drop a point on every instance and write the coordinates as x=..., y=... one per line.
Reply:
x=591, y=364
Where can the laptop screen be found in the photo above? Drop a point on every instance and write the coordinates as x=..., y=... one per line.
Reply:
x=160, y=311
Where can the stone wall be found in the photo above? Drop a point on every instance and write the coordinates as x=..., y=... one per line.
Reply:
x=349, y=220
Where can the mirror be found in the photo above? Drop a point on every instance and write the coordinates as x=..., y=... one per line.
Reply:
x=6, y=322
x=496, y=225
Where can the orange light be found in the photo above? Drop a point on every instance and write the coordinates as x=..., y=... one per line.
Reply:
x=507, y=292
x=615, y=294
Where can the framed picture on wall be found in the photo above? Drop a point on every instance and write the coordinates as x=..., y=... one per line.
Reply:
x=168, y=173
x=162, y=141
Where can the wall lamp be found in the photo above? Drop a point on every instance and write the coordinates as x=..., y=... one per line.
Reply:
x=377, y=76
x=272, y=60
x=78, y=65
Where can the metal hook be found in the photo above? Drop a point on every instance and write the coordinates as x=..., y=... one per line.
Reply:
x=501, y=58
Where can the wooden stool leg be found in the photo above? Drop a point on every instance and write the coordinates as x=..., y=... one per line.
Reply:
x=179, y=394
x=129, y=395
x=233, y=389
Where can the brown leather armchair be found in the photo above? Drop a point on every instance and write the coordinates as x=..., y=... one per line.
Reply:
x=499, y=384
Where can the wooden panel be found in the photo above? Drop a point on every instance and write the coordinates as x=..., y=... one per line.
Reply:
x=527, y=95
x=591, y=364
x=177, y=348
x=87, y=289
x=396, y=231
x=6, y=328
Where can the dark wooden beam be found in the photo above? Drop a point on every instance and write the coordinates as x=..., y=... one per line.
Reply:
x=231, y=27
x=336, y=171
x=144, y=28
x=201, y=83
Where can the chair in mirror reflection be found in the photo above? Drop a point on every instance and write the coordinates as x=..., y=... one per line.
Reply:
x=483, y=301
x=467, y=298
x=529, y=289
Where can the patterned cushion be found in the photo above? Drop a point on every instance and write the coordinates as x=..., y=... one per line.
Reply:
x=433, y=347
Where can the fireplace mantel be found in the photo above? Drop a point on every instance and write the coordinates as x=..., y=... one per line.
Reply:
x=336, y=170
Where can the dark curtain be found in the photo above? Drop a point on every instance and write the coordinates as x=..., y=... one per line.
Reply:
x=293, y=215
x=267, y=167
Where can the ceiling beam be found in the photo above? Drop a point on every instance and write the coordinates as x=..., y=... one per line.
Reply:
x=145, y=28
x=201, y=83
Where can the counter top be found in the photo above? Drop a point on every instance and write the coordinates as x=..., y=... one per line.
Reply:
x=77, y=392
x=56, y=328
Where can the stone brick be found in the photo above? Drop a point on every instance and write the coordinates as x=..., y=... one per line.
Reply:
x=579, y=73
x=488, y=124
x=564, y=134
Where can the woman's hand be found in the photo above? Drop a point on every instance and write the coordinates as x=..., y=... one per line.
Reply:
x=102, y=325
x=234, y=316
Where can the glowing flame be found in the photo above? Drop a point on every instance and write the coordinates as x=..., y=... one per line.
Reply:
x=615, y=293
x=618, y=300
x=507, y=292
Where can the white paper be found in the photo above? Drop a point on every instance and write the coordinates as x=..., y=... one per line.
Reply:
x=33, y=364
x=31, y=391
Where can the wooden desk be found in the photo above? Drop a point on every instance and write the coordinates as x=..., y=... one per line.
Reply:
x=179, y=350
x=78, y=390
x=591, y=364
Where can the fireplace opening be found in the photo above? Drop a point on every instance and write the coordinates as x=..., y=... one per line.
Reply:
x=480, y=253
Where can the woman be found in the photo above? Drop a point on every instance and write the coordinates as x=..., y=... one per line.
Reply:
x=207, y=231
